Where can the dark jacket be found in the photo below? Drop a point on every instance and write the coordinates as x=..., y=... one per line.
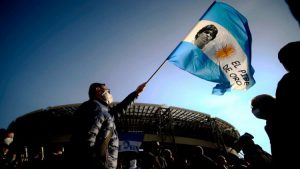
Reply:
x=95, y=136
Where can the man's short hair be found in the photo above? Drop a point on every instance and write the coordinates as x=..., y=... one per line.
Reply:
x=92, y=89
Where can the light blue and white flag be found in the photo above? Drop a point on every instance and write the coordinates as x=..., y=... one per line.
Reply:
x=218, y=49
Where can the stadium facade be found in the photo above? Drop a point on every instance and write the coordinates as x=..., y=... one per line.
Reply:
x=173, y=127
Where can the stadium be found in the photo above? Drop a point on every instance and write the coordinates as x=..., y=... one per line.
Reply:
x=178, y=129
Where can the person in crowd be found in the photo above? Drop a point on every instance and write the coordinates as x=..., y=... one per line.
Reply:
x=152, y=157
x=167, y=153
x=8, y=137
x=94, y=142
x=168, y=156
x=133, y=164
x=284, y=142
x=221, y=162
x=7, y=155
x=263, y=106
x=200, y=160
x=254, y=155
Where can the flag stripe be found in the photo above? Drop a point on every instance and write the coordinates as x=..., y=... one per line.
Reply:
x=234, y=22
x=190, y=58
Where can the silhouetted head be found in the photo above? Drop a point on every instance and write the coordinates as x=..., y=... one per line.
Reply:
x=245, y=139
x=288, y=54
x=262, y=106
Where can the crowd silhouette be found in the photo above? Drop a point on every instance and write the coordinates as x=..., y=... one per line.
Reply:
x=153, y=156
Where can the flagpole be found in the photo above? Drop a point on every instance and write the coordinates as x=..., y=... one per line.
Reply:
x=156, y=70
x=174, y=49
x=162, y=64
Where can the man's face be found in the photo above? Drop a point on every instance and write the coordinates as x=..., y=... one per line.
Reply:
x=103, y=93
x=10, y=135
x=9, y=138
x=103, y=89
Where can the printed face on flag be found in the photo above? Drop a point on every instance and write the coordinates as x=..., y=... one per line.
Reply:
x=205, y=35
x=223, y=49
x=218, y=49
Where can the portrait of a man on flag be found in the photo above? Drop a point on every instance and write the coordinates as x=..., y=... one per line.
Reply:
x=218, y=49
x=205, y=35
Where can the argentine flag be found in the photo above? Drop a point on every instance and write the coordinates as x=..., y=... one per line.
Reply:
x=218, y=49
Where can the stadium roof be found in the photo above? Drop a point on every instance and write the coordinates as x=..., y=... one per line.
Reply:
x=157, y=122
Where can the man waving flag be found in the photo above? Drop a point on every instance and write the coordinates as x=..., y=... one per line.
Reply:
x=218, y=49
